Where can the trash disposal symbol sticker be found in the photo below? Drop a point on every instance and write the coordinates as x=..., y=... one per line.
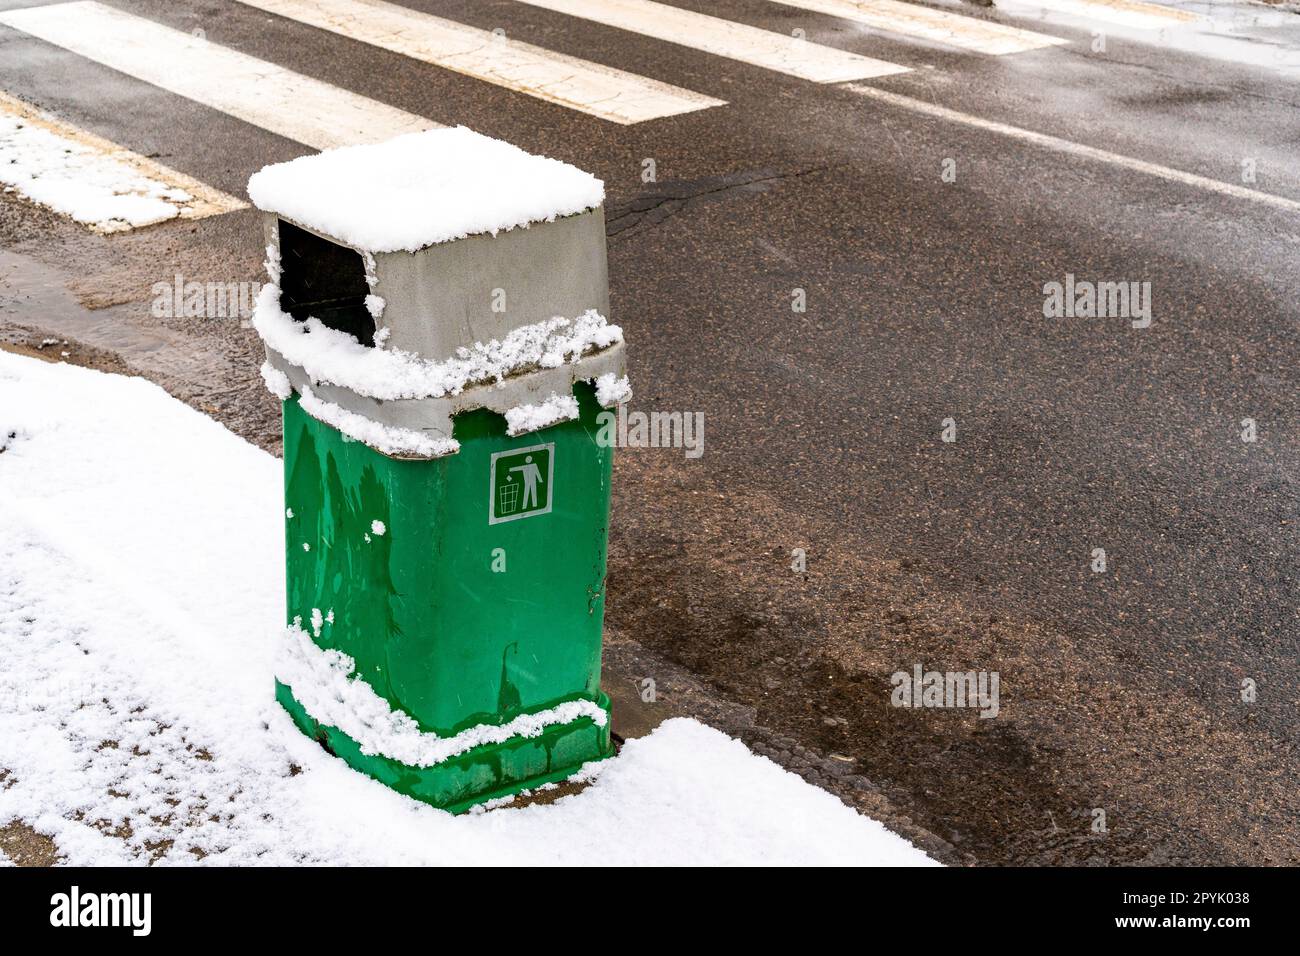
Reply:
x=521, y=483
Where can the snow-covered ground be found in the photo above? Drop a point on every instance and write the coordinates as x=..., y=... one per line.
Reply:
x=90, y=179
x=141, y=587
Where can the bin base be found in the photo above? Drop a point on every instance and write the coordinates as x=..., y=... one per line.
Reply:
x=476, y=776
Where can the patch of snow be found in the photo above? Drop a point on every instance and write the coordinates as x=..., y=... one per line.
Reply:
x=421, y=189
x=277, y=383
x=495, y=804
x=81, y=182
x=375, y=306
x=322, y=681
x=141, y=595
x=378, y=527
x=272, y=264
x=530, y=418
x=390, y=439
x=336, y=358
x=612, y=389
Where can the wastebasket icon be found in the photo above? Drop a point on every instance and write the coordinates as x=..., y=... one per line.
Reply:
x=436, y=329
x=509, y=499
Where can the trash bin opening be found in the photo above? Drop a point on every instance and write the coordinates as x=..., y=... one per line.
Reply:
x=325, y=280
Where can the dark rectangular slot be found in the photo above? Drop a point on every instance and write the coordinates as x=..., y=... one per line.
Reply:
x=324, y=280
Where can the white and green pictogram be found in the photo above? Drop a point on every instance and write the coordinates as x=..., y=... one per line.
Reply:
x=521, y=483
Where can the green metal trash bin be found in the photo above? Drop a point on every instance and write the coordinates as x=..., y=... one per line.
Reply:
x=436, y=330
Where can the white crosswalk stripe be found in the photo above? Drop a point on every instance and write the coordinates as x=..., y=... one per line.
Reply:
x=735, y=41
x=938, y=26
x=1126, y=13
x=282, y=101
x=591, y=88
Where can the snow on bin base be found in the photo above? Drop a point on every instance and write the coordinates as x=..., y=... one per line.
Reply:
x=488, y=772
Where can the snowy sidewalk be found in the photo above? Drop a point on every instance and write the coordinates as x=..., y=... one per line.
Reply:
x=140, y=589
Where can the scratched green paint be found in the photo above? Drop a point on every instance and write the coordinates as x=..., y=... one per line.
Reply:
x=433, y=628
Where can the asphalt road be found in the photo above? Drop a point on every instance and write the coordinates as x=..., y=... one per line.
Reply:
x=1121, y=691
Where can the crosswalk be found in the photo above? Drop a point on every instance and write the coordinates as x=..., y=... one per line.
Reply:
x=319, y=115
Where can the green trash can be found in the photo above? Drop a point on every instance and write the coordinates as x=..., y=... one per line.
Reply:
x=436, y=329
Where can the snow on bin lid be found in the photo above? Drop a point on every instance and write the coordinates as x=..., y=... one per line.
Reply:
x=421, y=189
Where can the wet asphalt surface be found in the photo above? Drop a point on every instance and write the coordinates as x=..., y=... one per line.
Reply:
x=1121, y=691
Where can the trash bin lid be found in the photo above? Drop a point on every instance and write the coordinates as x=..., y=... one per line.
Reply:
x=422, y=189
